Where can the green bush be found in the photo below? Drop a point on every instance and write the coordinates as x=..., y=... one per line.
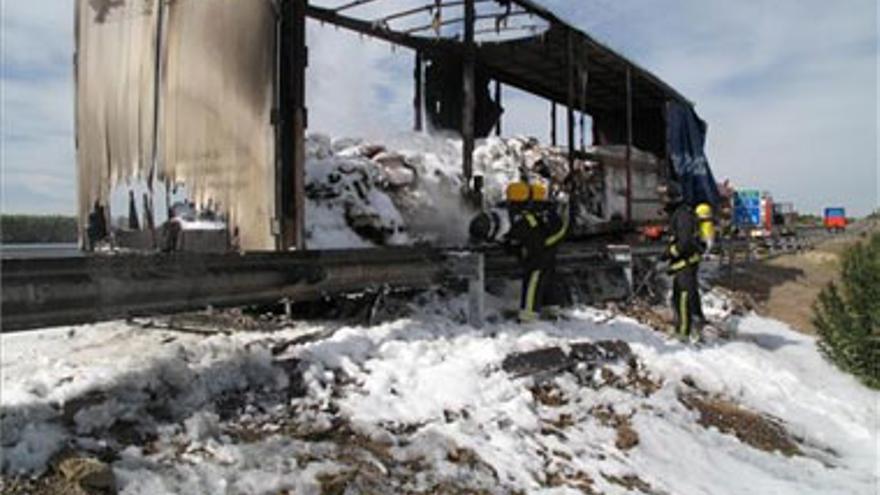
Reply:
x=847, y=317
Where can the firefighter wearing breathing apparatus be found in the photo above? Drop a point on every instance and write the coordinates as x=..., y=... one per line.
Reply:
x=536, y=231
x=684, y=253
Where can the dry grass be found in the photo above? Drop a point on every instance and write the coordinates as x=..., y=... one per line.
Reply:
x=633, y=483
x=785, y=287
x=752, y=428
x=627, y=437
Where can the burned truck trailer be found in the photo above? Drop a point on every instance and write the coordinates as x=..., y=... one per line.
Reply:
x=210, y=95
x=643, y=131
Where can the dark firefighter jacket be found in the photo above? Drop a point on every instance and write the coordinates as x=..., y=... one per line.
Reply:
x=685, y=248
x=537, y=233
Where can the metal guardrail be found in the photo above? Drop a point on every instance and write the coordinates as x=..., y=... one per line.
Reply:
x=47, y=292
x=44, y=292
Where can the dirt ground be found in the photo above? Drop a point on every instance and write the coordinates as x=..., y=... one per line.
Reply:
x=785, y=287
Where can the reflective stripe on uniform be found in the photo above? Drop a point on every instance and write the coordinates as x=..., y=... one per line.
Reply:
x=532, y=290
x=533, y=222
x=682, y=264
x=683, y=312
x=555, y=238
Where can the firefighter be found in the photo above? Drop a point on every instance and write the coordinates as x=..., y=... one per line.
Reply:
x=684, y=253
x=706, y=229
x=537, y=229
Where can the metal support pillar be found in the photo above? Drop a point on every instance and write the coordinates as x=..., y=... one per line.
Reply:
x=498, y=101
x=629, y=143
x=468, y=100
x=583, y=132
x=418, y=102
x=553, y=123
x=571, y=96
x=291, y=120
x=584, y=82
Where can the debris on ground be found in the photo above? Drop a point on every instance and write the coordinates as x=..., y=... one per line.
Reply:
x=760, y=431
x=584, y=355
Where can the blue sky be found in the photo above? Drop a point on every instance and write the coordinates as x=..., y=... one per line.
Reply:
x=788, y=87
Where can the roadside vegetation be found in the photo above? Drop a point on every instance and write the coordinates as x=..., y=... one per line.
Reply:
x=34, y=229
x=847, y=314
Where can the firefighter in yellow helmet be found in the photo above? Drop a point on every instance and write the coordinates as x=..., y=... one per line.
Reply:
x=537, y=229
x=684, y=253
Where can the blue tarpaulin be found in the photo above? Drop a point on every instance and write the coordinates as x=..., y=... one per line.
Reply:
x=685, y=139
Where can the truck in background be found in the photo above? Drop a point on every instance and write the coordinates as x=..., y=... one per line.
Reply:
x=835, y=219
x=753, y=212
x=784, y=219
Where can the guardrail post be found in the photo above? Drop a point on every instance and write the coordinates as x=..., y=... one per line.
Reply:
x=477, y=292
x=730, y=250
x=471, y=267
x=622, y=256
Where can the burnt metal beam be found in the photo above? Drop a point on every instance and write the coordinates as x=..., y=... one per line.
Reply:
x=424, y=8
x=352, y=4
x=629, y=143
x=463, y=19
x=290, y=126
x=418, y=98
x=552, y=123
x=468, y=88
x=517, y=79
x=571, y=72
x=367, y=28
x=506, y=74
x=595, y=45
x=583, y=132
x=557, y=62
x=534, y=28
x=498, y=101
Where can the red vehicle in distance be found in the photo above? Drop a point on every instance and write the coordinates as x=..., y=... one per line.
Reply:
x=835, y=219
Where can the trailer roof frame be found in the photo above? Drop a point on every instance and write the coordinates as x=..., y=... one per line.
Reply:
x=532, y=70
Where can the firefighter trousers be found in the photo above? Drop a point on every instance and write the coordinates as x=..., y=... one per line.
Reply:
x=539, y=289
x=686, y=305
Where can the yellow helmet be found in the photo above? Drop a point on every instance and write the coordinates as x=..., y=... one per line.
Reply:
x=518, y=192
x=704, y=211
x=539, y=192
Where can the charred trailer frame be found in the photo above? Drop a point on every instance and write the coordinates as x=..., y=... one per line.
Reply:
x=630, y=107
